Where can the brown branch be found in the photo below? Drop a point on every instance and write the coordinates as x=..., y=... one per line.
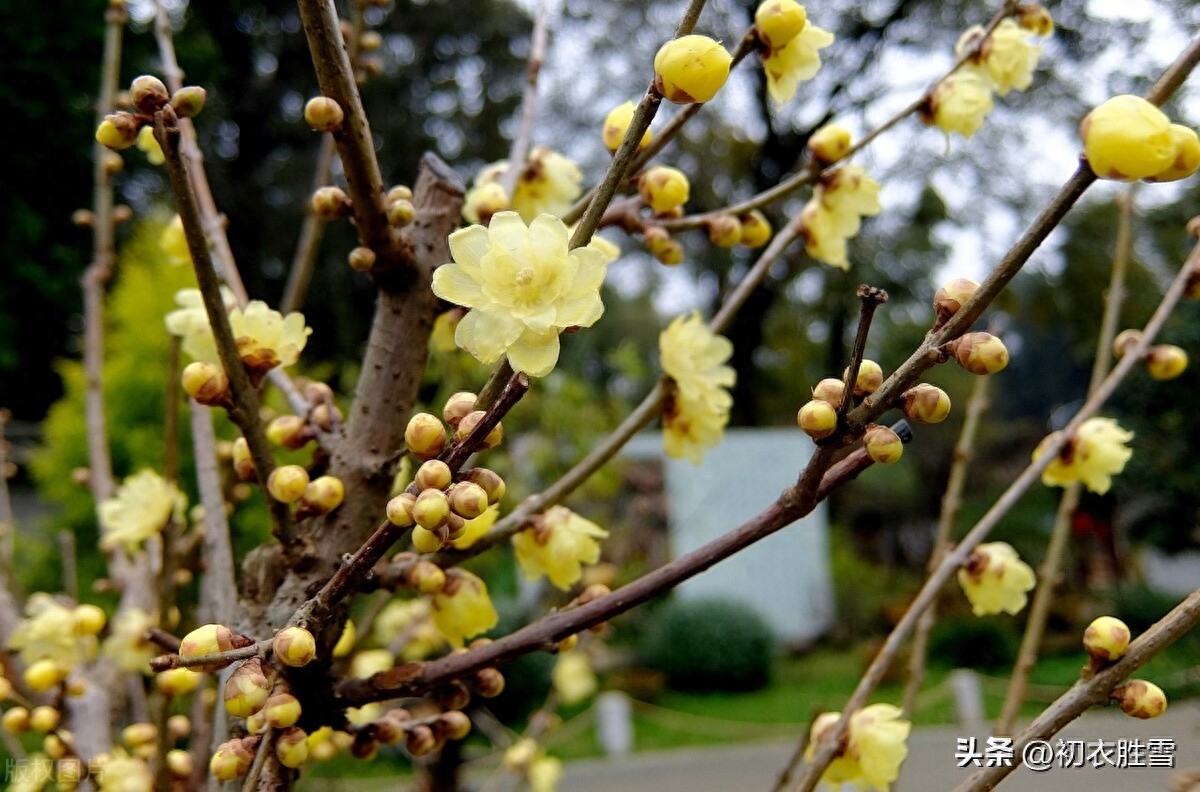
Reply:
x=218, y=590
x=1088, y=693
x=523, y=139
x=517, y=387
x=216, y=659
x=870, y=298
x=312, y=231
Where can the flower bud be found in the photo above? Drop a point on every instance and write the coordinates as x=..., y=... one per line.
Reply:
x=458, y=407
x=485, y=201
x=247, y=689
x=1165, y=362
x=663, y=188
x=177, y=681
x=210, y=639
x=725, y=231
x=179, y=763
x=883, y=445
x=282, y=710
x=1106, y=639
x=779, y=21
x=420, y=740
x=830, y=390
x=401, y=192
x=178, y=727
x=616, y=124
x=291, y=747
x=295, y=646
x=668, y=250
x=42, y=675
x=981, y=353
x=361, y=259
x=399, y=509
x=468, y=500
x=433, y=474
x=691, y=69
x=54, y=746
x=256, y=723
x=122, y=213
x=1127, y=138
x=206, y=382
x=425, y=541
x=756, y=229
x=321, y=496
x=1125, y=340
x=401, y=213
x=430, y=509
x=323, y=114
x=287, y=431
x=188, y=101
x=139, y=735
x=1187, y=155
x=6, y=688
x=87, y=620
x=829, y=144
x=1140, y=699
x=926, y=404
x=231, y=759
x=870, y=377
x=425, y=577
x=84, y=218
x=1035, y=18
x=15, y=720
x=453, y=725
x=243, y=463
x=489, y=682
x=287, y=482
x=468, y=424
x=818, y=419
x=117, y=131
x=330, y=203
x=425, y=436
x=149, y=94
x=44, y=719
x=950, y=297
x=491, y=482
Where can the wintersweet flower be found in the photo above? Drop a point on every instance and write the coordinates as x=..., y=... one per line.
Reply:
x=462, y=608
x=876, y=746
x=573, y=678
x=824, y=234
x=412, y=619
x=548, y=184
x=476, y=528
x=1127, y=138
x=616, y=124
x=795, y=62
x=140, y=509
x=1006, y=59
x=47, y=633
x=265, y=338
x=525, y=757
x=190, y=318
x=691, y=69
x=849, y=194
x=558, y=546
x=523, y=287
x=695, y=414
x=1092, y=457
x=995, y=579
x=959, y=104
x=126, y=644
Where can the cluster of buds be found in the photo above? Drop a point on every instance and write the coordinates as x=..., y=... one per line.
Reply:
x=400, y=209
x=149, y=95
x=1106, y=640
x=439, y=508
x=426, y=436
x=420, y=736
x=691, y=69
x=1163, y=361
x=1128, y=138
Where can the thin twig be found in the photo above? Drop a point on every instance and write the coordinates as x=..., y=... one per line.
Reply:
x=523, y=138
x=312, y=231
x=1048, y=573
x=785, y=775
x=218, y=589
x=870, y=298
x=215, y=660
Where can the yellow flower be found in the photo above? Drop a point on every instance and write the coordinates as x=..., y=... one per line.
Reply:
x=695, y=415
x=1092, y=457
x=126, y=643
x=995, y=579
x=190, y=320
x=875, y=747
x=265, y=338
x=463, y=608
x=795, y=62
x=824, y=234
x=147, y=144
x=549, y=183
x=369, y=662
x=849, y=194
x=959, y=104
x=47, y=633
x=690, y=427
x=573, y=678
x=174, y=242
x=691, y=69
x=1127, y=138
x=140, y=509
x=125, y=774
x=410, y=618
x=779, y=21
x=523, y=287
x=476, y=528
x=558, y=547
x=1008, y=59
x=528, y=759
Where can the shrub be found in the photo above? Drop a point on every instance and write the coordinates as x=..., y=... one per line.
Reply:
x=710, y=644
x=969, y=642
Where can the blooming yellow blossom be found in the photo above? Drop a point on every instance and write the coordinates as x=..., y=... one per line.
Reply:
x=47, y=633
x=995, y=579
x=795, y=62
x=126, y=643
x=265, y=338
x=369, y=662
x=876, y=746
x=140, y=509
x=1008, y=58
x=1092, y=457
x=959, y=103
x=125, y=774
x=695, y=415
x=462, y=608
x=191, y=319
x=410, y=618
x=548, y=184
x=558, y=546
x=148, y=145
x=523, y=287
x=824, y=234
x=849, y=194
x=476, y=528
x=573, y=678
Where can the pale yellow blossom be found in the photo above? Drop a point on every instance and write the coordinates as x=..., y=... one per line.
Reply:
x=148, y=145
x=463, y=609
x=548, y=184
x=1092, y=457
x=824, y=234
x=876, y=746
x=960, y=103
x=173, y=242
x=573, y=678
x=141, y=508
x=122, y=773
x=265, y=338
x=127, y=644
x=48, y=633
x=1008, y=59
x=410, y=619
x=695, y=414
x=795, y=62
x=558, y=546
x=995, y=579
x=476, y=528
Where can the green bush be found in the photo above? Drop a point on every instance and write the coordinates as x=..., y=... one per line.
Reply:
x=710, y=644
x=969, y=642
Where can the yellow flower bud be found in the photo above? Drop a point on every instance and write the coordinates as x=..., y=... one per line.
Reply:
x=1187, y=155
x=756, y=229
x=44, y=674
x=457, y=407
x=663, y=188
x=401, y=213
x=400, y=192
x=468, y=424
x=425, y=541
x=188, y=101
x=433, y=474
x=1124, y=341
x=426, y=577
x=491, y=482
x=779, y=21
x=468, y=500
x=430, y=509
x=361, y=259
x=210, y=639
x=287, y=431
x=489, y=682
x=926, y=403
x=282, y=710
x=6, y=688
x=453, y=725
x=287, y=482
x=1127, y=138
x=231, y=759
x=88, y=619
x=330, y=203
x=1106, y=638
x=981, y=353
x=323, y=114
x=830, y=390
x=691, y=69
x=292, y=747
x=322, y=495
x=484, y=201
x=829, y=144
x=951, y=296
x=117, y=131
x=55, y=746
x=179, y=726
x=399, y=509
x=15, y=720
x=139, y=735
x=44, y=719
x=295, y=646
x=1035, y=18
x=149, y=94
x=818, y=419
x=179, y=762
x=420, y=740
x=243, y=463
x=1165, y=362
x=1140, y=699
x=425, y=436
x=725, y=231
x=870, y=377
x=664, y=247
x=177, y=681
x=247, y=689
x=206, y=382
x=883, y=445
x=616, y=124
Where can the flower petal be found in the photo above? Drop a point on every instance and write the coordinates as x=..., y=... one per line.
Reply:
x=487, y=334
x=455, y=283
x=534, y=353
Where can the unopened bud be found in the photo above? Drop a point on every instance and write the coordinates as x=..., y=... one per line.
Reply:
x=15, y=720
x=87, y=619
x=453, y=725
x=725, y=231
x=457, y=407
x=486, y=200
x=1165, y=362
x=54, y=746
x=243, y=463
x=1035, y=18
x=468, y=424
x=247, y=689
x=211, y=639
x=425, y=541
x=401, y=192
x=883, y=445
x=42, y=675
x=323, y=114
x=491, y=482
x=1106, y=639
x=179, y=763
x=663, y=188
x=452, y=696
x=291, y=747
x=829, y=144
x=433, y=474
x=399, y=509
x=425, y=436
x=149, y=94
x=1140, y=699
x=178, y=727
x=420, y=740
x=232, y=759
x=295, y=646
x=817, y=418
x=177, y=681
x=122, y=213
x=287, y=483
x=84, y=218
x=207, y=383
x=616, y=124
x=779, y=21
x=691, y=69
x=950, y=297
x=361, y=259
x=489, y=682
x=1125, y=340
x=188, y=101
x=430, y=509
x=137, y=735
x=288, y=431
x=468, y=500
x=44, y=719
x=870, y=377
x=330, y=203
x=322, y=495
x=282, y=710
x=426, y=577
x=669, y=251
x=756, y=229
x=980, y=353
x=926, y=403
x=401, y=213
x=830, y=390
x=117, y=131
